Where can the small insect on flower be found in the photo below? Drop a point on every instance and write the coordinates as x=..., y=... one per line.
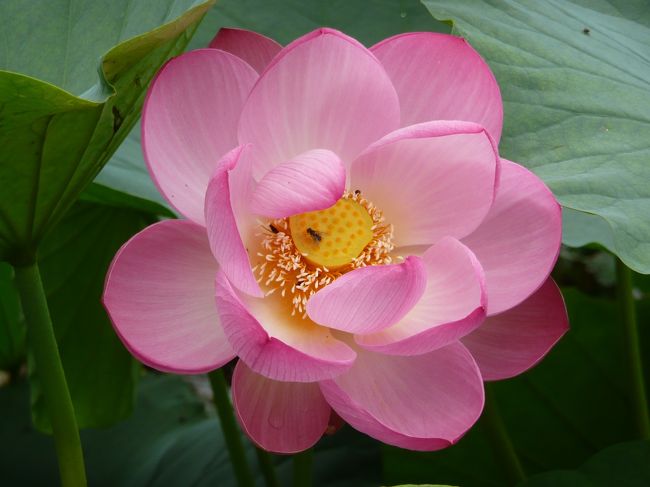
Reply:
x=315, y=235
x=273, y=228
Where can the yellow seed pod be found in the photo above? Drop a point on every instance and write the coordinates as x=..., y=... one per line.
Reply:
x=332, y=237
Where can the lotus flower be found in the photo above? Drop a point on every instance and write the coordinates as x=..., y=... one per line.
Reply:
x=351, y=235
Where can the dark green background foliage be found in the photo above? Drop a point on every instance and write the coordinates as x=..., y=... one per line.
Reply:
x=574, y=77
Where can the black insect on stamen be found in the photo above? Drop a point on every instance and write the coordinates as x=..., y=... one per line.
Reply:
x=274, y=228
x=357, y=192
x=314, y=234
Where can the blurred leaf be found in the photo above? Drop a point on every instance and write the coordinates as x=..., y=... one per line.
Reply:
x=126, y=172
x=624, y=465
x=128, y=450
x=74, y=258
x=575, y=83
x=580, y=229
x=96, y=193
x=69, y=97
x=381, y=18
x=170, y=440
x=560, y=413
x=127, y=177
x=12, y=325
x=346, y=459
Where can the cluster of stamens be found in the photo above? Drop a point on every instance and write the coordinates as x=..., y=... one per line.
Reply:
x=282, y=268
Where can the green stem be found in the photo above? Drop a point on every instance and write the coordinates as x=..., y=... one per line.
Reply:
x=265, y=461
x=633, y=350
x=230, y=429
x=302, y=463
x=500, y=440
x=43, y=345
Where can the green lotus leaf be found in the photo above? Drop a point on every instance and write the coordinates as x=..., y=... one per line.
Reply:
x=72, y=81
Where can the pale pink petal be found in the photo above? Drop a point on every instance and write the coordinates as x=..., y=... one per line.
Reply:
x=431, y=180
x=453, y=304
x=275, y=344
x=370, y=298
x=282, y=417
x=311, y=181
x=224, y=229
x=441, y=77
x=511, y=342
x=189, y=122
x=159, y=294
x=322, y=91
x=424, y=402
x=519, y=240
x=256, y=49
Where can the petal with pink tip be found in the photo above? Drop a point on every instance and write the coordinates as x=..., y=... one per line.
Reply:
x=441, y=77
x=371, y=298
x=311, y=181
x=452, y=305
x=159, y=294
x=424, y=402
x=256, y=49
x=431, y=180
x=189, y=122
x=282, y=417
x=275, y=344
x=519, y=240
x=225, y=213
x=324, y=90
x=512, y=342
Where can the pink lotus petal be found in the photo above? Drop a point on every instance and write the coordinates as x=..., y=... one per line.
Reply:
x=311, y=181
x=224, y=228
x=370, y=298
x=519, y=240
x=441, y=77
x=425, y=402
x=256, y=49
x=452, y=305
x=276, y=345
x=511, y=342
x=282, y=417
x=189, y=121
x=159, y=293
x=325, y=91
x=431, y=180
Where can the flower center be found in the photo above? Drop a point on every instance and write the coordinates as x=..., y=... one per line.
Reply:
x=305, y=252
x=333, y=237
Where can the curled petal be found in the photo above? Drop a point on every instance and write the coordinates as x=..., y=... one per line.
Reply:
x=275, y=344
x=311, y=181
x=282, y=417
x=441, y=77
x=369, y=298
x=519, y=240
x=257, y=50
x=425, y=402
x=452, y=305
x=324, y=90
x=511, y=342
x=159, y=294
x=431, y=180
x=226, y=218
x=189, y=121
